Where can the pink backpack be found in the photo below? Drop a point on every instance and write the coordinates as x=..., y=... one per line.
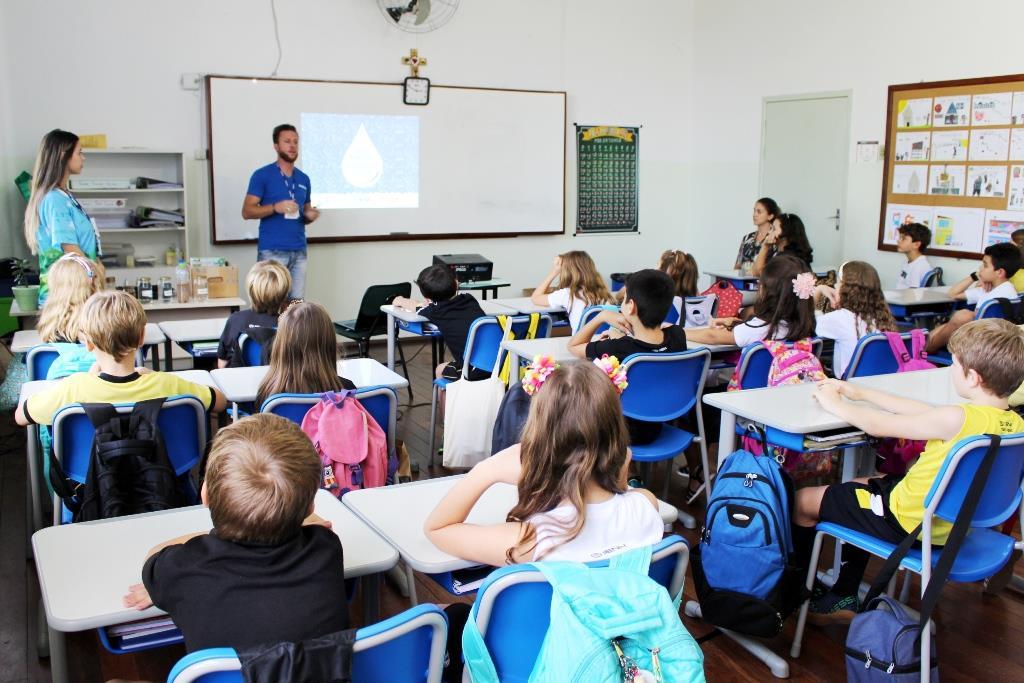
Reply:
x=352, y=447
x=896, y=454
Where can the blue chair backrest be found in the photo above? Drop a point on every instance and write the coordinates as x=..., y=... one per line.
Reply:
x=38, y=361
x=252, y=351
x=663, y=386
x=380, y=402
x=872, y=356
x=1002, y=494
x=756, y=361
x=484, y=339
x=513, y=607
x=590, y=311
x=933, y=278
x=993, y=309
x=407, y=647
x=182, y=423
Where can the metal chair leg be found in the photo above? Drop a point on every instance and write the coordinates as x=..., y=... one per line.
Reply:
x=433, y=421
x=405, y=368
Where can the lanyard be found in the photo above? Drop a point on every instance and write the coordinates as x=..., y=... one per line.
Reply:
x=92, y=221
x=289, y=184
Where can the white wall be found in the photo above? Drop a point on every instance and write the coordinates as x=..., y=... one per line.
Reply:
x=113, y=66
x=745, y=51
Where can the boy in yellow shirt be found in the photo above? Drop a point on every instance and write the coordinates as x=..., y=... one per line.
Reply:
x=114, y=326
x=988, y=365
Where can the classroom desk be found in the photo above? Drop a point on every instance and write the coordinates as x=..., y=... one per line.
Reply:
x=523, y=304
x=397, y=513
x=159, y=311
x=33, y=454
x=410, y=321
x=484, y=286
x=26, y=339
x=187, y=331
x=240, y=385
x=905, y=302
x=740, y=280
x=85, y=569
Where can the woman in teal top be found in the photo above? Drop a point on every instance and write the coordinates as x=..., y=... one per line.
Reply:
x=55, y=222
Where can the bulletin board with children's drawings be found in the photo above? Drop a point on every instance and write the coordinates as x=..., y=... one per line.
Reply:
x=606, y=185
x=954, y=160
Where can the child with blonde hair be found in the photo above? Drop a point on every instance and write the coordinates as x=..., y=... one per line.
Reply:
x=304, y=354
x=268, y=284
x=579, y=285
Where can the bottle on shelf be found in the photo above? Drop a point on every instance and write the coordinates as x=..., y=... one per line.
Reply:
x=184, y=278
x=202, y=288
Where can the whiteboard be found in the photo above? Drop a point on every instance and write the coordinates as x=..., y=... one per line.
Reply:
x=473, y=162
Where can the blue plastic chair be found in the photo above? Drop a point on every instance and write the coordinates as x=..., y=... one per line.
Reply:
x=663, y=387
x=252, y=351
x=380, y=402
x=483, y=345
x=182, y=423
x=756, y=360
x=933, y=278
x=38, y=360
x=513, y=607
x=993, y=309
x=872, y=356
x=590, y=311
x=407, y=647
x=984, y=551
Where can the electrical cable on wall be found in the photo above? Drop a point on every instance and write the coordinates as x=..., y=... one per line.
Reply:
x=277, y=37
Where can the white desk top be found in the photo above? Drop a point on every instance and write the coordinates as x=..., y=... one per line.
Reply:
x=793, y=409
x=490, y=307
x=484, y=284
x=732, y=274
x=522, y=304
x=85, y=569
x=397, y=513
x=226, y=302
x=556, y=347
x=200, y=329
x=239, y=385
x=26, y=339
x=918, y=296
x=31, y=388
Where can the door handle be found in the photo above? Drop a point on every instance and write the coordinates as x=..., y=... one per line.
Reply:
x=834, y=218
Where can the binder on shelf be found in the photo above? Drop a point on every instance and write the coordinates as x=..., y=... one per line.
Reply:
x=80, y=183
x=165, y=215
x=144, y=183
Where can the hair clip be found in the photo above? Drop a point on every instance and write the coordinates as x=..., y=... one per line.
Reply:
x=803, y=285
x=537, y=373
x=616, y=373
x=82, y=261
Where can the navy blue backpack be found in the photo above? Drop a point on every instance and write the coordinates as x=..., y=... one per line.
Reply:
x=742, y=567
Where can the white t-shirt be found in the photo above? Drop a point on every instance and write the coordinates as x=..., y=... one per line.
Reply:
x=845, y=329
x=977, y=295
x=573, y=305
x=621, y=523
x=912, y=272
x=755, y=330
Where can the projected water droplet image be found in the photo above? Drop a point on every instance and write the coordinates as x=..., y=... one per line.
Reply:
x=362, y=165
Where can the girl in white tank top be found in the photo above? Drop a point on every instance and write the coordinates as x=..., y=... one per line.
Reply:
x=570, y=471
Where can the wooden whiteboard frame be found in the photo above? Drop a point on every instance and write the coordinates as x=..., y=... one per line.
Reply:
x=378, y=238
x=965, y=86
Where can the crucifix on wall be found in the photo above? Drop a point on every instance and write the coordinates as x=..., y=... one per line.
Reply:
x=415, y=90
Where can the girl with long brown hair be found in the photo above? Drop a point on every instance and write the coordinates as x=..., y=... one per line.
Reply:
x=860, y=308
x=570, y=469
x=579, y=285
x=303, y=358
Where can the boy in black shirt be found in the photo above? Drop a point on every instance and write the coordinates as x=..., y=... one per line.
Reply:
x=268, y=283
x=452, y=313
x=270, y=571
x=635, y=328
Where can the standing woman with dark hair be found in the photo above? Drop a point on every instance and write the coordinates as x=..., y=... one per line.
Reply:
x=55, y=222
x=765, y=211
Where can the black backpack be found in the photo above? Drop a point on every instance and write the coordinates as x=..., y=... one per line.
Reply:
x=129, y=470
x=511, y=418
x=1014, y=312
x=264, y=336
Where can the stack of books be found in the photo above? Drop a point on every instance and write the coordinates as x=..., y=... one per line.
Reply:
x=147, y=216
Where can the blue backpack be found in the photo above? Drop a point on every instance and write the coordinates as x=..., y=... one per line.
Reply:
x=742, y=568
x=608, y=624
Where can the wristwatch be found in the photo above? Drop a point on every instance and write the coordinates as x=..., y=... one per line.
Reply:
x=974, y=276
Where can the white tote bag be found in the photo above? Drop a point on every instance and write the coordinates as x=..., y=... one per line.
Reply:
x=469, y=413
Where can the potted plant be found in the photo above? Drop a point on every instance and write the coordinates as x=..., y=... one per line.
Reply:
x=26, y=295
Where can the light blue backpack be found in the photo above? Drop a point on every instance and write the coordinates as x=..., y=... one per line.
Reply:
x=608, y=625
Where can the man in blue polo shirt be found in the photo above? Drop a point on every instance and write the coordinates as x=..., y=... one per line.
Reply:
x=278, y=196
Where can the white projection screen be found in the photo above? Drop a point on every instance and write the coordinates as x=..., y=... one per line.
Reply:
x=474, y=162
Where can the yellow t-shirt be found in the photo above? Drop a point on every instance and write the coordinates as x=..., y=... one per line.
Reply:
x=907, y=498
x=1018, y=280
x=90, y=388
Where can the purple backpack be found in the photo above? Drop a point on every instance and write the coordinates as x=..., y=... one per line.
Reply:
x=916, y=358
x=895, y=455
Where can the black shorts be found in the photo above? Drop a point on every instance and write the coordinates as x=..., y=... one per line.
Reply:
x=453, y=371
x=864, y=507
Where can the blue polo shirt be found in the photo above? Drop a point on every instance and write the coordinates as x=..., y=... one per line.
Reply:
x=271, y=186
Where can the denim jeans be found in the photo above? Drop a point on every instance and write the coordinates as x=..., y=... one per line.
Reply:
x=294, y=261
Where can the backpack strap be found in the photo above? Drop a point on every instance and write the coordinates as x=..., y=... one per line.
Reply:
x=917, y=343
x=1009, y=310
x=474, y=651
x=636, y=560
x=148, y=410
x=899, y=349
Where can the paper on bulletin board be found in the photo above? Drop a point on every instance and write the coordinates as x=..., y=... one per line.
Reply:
x=957, y=228
x=909, y=179
x=949, y=145
x=946, y=180
x=999, y=225
x=1017, y=116
x=991, y=109
x=914, y=113
x=901, y=214
x=951, y=111
x=989, y=145
x=1015, y=199
x=912, y=146
x=986, y=181
x=1017, y=144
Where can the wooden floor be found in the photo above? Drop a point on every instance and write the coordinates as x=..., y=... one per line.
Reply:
x=979, y=638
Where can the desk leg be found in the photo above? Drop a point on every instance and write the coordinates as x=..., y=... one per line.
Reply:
x=411, y=578
x=58, y=656
x=167, y=355
x=155, y=350
x=726, y=437
x=33, y=455
x=369, y=587
x=391, y=342
x=234, y=411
